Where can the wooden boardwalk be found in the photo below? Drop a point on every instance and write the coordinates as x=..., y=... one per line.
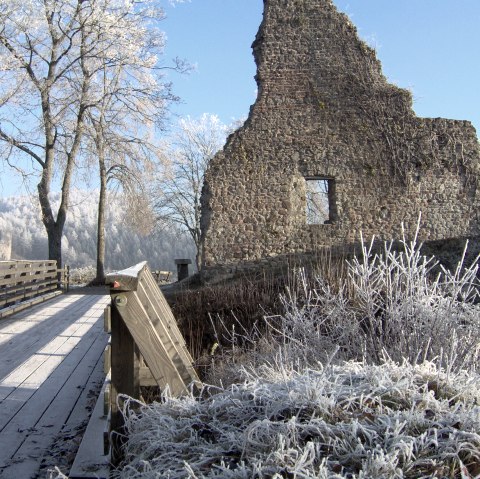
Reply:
x=50, y=365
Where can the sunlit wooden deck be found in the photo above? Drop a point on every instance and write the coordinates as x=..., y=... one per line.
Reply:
x=50, y=362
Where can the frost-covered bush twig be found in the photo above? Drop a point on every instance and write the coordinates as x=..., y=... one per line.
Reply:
x=399, y=309
x=406, y=313
x=82, y=276
x=56, y=473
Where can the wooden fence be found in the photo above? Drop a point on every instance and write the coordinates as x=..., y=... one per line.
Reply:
x=146, y=347
x=24, y=283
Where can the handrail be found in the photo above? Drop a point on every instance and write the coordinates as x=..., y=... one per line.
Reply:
x=23, y=280
x=146, y=345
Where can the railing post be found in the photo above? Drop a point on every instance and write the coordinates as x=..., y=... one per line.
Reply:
x=67, y=278
x=182, y=268
x=124, y=374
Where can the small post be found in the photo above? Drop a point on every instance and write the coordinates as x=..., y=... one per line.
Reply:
x=182, y=268
x=124, y=363
x=66, y=281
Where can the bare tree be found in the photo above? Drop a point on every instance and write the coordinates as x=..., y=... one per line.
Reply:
x=120, y=140
x=185, y=159
x=54, y=57
x=123, y=162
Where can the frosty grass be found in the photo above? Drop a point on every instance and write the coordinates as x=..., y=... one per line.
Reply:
x=346, y=421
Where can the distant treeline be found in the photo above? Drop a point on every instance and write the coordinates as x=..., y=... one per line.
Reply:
x=20, y=218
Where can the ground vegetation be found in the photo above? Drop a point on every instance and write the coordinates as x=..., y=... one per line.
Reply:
x=377, y=382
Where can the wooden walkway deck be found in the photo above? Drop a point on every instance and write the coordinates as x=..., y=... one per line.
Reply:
x=50, y=368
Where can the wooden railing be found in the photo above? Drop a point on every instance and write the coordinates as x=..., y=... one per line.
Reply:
x=146, y=347
x=23, y=283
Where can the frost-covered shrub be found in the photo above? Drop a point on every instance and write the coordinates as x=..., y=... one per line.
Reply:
x=56, y=473
x=82, y=276
x=345, y=421
x=381, y=383
x=406, y=312
x=395, y=307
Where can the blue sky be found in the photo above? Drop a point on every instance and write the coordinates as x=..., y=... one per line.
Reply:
x=429, y=46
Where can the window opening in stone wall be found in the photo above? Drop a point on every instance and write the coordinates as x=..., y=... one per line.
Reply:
x=319, y=196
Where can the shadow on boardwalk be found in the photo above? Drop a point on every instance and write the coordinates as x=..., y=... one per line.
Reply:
x=51, y=370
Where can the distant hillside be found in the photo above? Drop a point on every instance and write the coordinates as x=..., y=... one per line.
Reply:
x=20, y=217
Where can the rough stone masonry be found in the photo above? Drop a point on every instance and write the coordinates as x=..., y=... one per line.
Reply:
x=326, y=117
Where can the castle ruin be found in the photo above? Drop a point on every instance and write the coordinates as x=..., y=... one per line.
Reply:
x=330, y=149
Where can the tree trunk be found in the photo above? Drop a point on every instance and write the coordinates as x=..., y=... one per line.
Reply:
x=101, y=233
x=54, y=226
x=101, y=217
x=53, y=229
x=54, y=235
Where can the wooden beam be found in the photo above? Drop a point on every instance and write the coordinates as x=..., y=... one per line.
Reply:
x=124, y=373
x=107, y=396
x=126, y=279
x=146, y=377
x=8, y=311
x=91, y=460
x=107, y=322
x=107, y=358
x=21, y=280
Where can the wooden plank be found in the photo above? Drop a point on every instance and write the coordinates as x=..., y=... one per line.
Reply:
x=33, y=372
x=107, y=358
x=5, y=312
x=32, y=283
x=91, y=462
x=160, y=304
x=47, y=408
x=15, y=263
x=146, y=377
x=23, y=292
x=149, y=343
x=46, y=331
x=28, y=319
x=25, y=381
x=27, y=458
x=107, y=449
x=163, y=321
x=22, y=280
x=66, y=442
x=36, y=275
x=107, y=394
x=10, y=276
x=107, y=323
x=37, y=325
x=27, y=356
x=55, y=318
x=5, y=264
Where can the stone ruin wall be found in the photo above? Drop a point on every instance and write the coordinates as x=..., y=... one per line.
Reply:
x=324, y=109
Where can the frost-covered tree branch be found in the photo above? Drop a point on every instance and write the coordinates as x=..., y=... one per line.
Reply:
x=185, y=158
x=60, y=64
